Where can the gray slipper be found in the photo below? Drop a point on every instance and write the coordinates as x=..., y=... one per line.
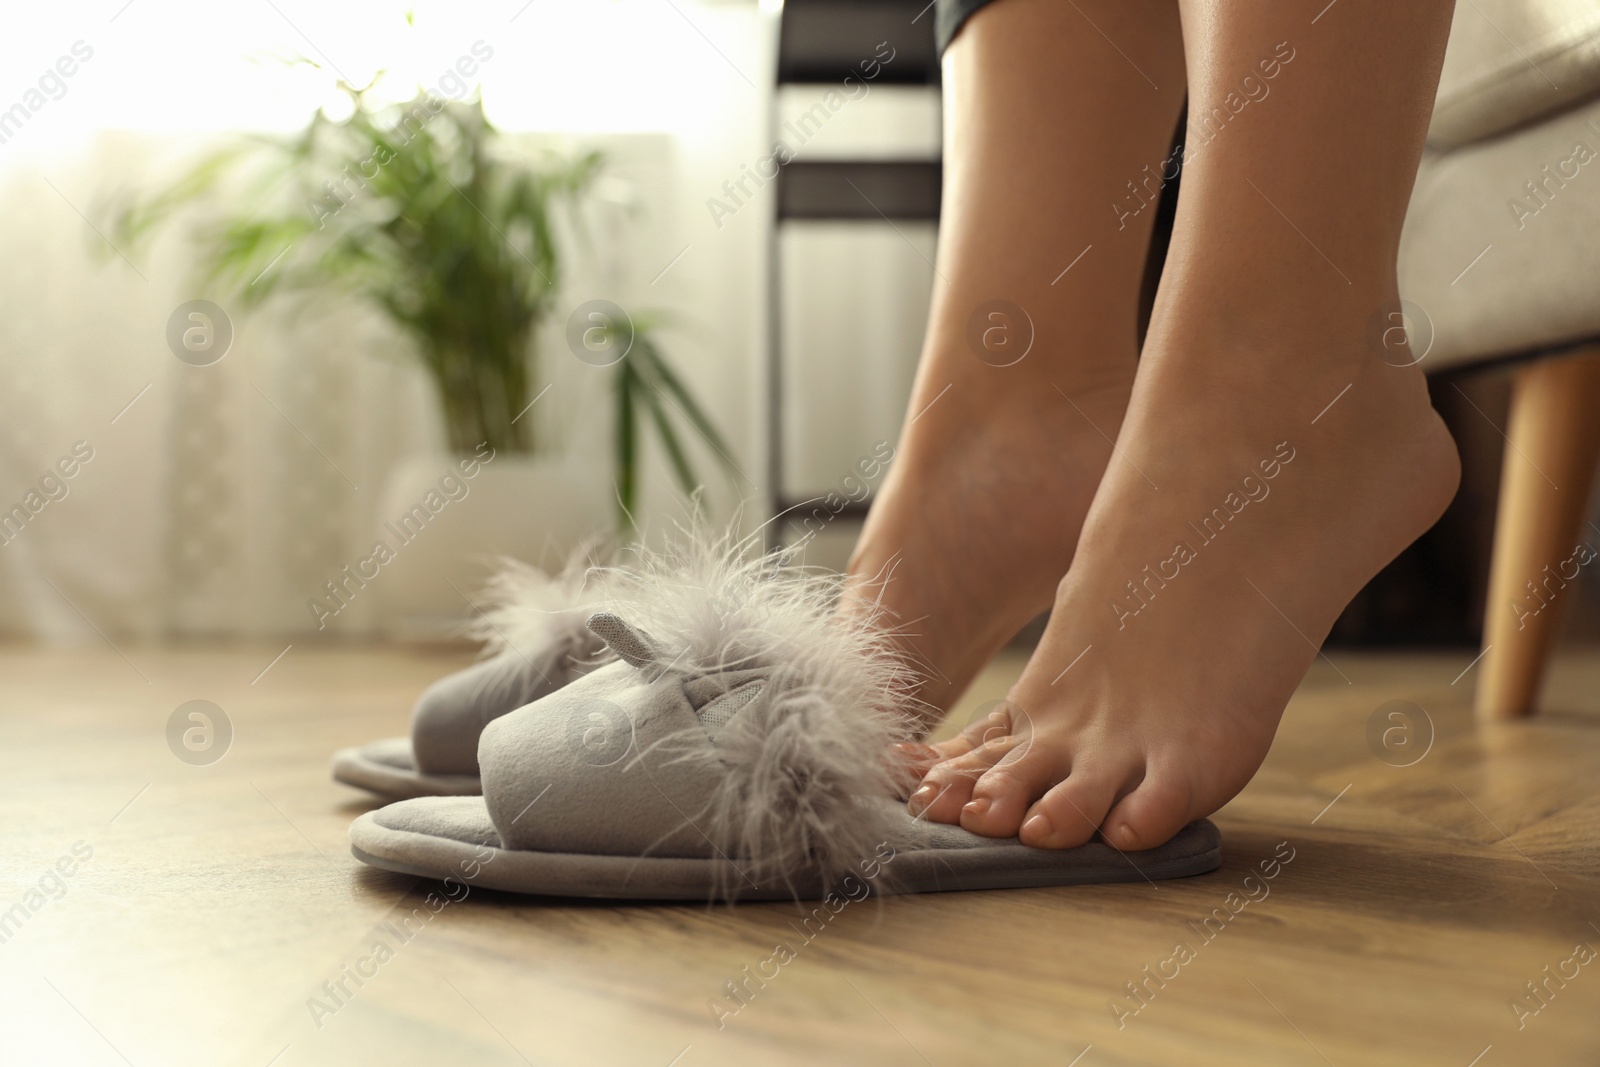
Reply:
x=535, y=632
x=735, y=750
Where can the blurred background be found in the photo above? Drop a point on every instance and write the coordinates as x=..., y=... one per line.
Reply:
x=309, y=311
x=326, y=306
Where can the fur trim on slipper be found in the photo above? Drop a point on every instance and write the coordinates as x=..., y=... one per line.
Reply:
x=525, y=610
x=803, y=735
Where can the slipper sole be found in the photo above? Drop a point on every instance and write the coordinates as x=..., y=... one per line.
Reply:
x=1005, y=864
x=357, y=767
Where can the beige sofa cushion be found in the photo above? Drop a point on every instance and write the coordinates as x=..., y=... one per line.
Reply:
x=1499, y=247
x=1511, y=61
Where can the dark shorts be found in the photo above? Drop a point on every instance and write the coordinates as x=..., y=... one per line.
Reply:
x=950, y=16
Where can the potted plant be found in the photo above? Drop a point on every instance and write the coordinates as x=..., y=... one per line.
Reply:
x=414, y=211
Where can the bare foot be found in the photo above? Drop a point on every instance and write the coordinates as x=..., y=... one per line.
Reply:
x=1292, y=459
x=1005, y=442
x=961, y=549
x=1222, y=546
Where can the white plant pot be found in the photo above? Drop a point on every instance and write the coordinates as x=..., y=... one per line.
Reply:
x=446, y=529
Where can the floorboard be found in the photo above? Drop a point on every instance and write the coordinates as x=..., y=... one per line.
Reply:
x=1409, y=908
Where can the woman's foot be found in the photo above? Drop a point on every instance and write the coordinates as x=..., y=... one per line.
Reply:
x=1272, y=459
x=1033, y=332
x=1220, y=549
x=961, y=549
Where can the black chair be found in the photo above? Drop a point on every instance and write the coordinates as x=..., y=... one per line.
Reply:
x=823, y=42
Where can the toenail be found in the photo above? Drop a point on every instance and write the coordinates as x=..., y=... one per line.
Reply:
x=976, y=807
x=921, y=799
x=1126, y=835
x=1038, y=828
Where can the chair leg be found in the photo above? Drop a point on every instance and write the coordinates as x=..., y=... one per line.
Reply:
x=1540, y=540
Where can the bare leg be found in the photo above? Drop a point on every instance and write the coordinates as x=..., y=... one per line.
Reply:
x=1273, y=457
x=1046, y=124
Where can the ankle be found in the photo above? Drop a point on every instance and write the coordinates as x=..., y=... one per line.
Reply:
x=1008, y=355
x=1239, y=352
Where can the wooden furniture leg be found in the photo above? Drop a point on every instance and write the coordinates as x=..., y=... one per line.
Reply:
x=1541, y=541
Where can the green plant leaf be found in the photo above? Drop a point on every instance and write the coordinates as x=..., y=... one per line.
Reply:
x=690, y=408
x=655, y=403
x=627, y=448
x=412, y=209
x=416, y=210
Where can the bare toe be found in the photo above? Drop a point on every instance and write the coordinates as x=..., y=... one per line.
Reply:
x=908, y=764
x=1002, y=795
x=1002, y=721
x=1070, y=813
x=947, y=787
x=1150, y=815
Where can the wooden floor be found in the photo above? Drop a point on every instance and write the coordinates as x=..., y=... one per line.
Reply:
x=1410, y=907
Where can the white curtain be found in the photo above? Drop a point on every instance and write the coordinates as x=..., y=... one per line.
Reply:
x=216, y=499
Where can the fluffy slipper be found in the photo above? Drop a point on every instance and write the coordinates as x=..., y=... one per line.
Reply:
x=535, y=641
x=735, y=749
